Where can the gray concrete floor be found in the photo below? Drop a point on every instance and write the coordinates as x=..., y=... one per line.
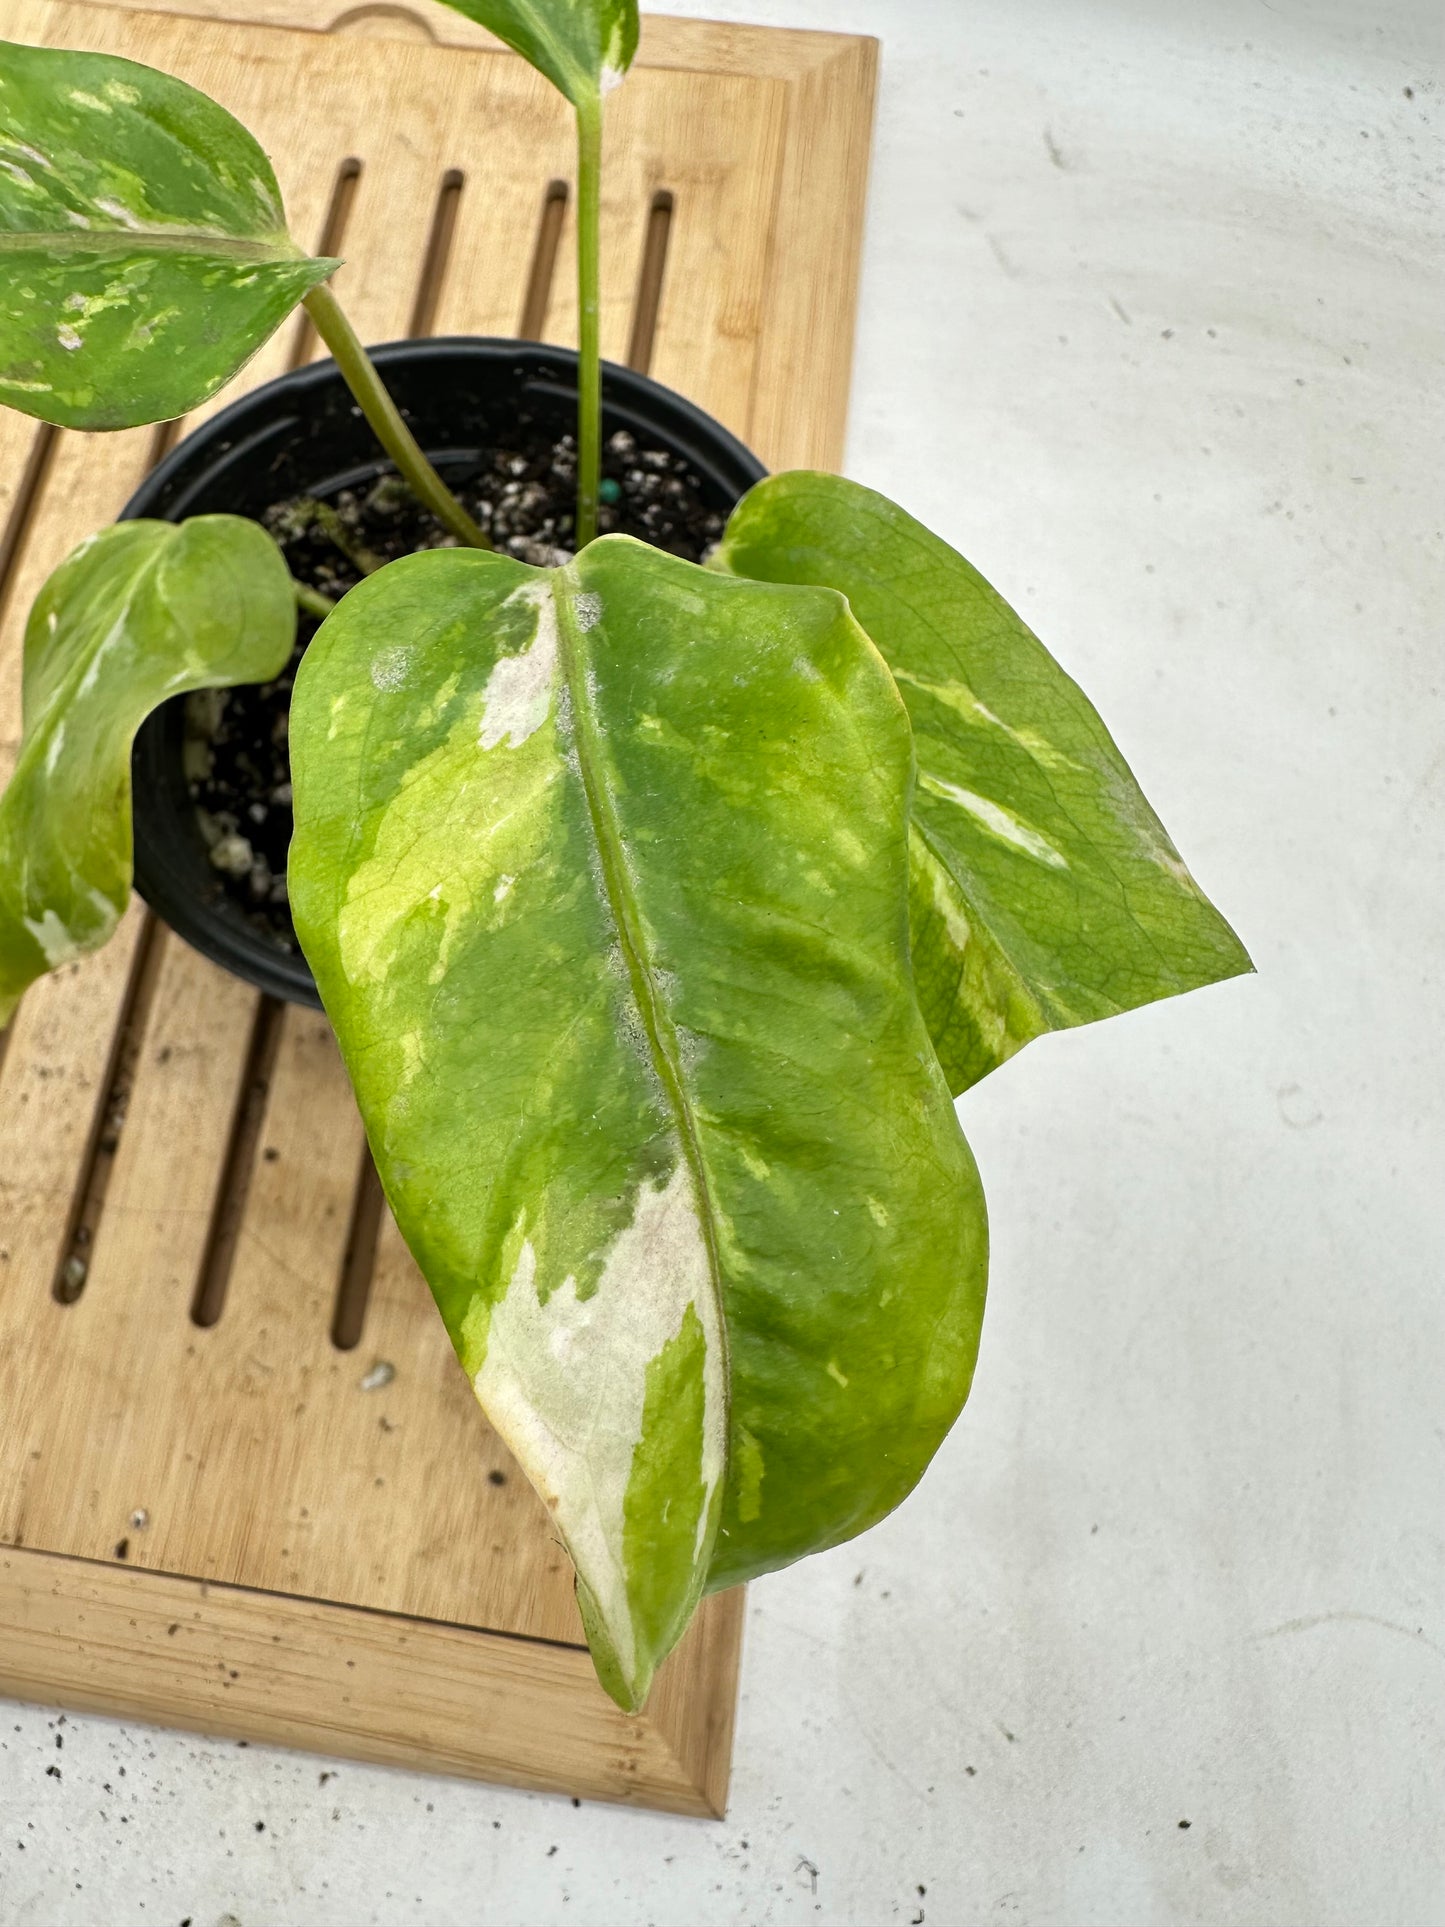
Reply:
x=1150, y=328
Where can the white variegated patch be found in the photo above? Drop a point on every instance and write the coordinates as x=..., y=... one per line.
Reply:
x=389, y=668
x=518, y=694
x=55, y=938
x=432, y=847
x=943, y=892
x=987, y=1009
x=999, y=823
x=958, y=697
x=564, y=1383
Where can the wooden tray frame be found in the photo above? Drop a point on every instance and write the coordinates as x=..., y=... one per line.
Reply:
x=177, y=1135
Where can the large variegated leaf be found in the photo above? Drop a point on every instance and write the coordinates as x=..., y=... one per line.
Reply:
x=1045, y=891
x=602, y=872
x=584, y=47
x=143, y=249
x=138, y=613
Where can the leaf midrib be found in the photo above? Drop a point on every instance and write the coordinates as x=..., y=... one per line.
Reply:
x=82, y=242
x=656, y=1018
x=559, y=50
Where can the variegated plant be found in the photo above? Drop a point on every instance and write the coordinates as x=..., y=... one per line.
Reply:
x=660, y=910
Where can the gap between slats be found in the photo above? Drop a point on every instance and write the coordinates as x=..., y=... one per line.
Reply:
x=109, y=1120
x=26, y=505
x=648, y=303
x=329, y=244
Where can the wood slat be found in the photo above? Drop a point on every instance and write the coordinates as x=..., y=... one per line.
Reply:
x=247, y=1480
x=686, y=133
x=54, y=1079
x=368, y=1686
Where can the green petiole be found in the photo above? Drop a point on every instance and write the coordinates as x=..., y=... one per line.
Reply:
x=311, y=602
x=385, y=417
x=589, y=369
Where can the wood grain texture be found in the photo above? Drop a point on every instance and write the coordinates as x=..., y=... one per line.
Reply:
x=368, y=1686
x=345, y=1519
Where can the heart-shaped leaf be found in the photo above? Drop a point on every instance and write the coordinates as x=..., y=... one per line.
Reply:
x=144, y=248
x=138, y=613
x=602, y=872
x=1045, y=891
x=584, y=47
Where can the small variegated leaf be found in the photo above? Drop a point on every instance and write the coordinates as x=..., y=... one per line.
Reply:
x=584, y=47
x=602, y=872
x=138, y=613
x=143, y=248
x=1044, y=889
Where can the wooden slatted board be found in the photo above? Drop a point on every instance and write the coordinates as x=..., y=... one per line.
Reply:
x=237, y=1527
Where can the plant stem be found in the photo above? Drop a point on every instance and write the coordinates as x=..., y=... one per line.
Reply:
x=311, y=601
x=334, y=529
x=385, y=417
x=589, y=368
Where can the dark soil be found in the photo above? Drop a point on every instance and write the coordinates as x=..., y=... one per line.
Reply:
x=237, y=765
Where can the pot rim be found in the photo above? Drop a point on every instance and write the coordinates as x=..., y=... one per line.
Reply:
x=218, y=929
x=618, y=382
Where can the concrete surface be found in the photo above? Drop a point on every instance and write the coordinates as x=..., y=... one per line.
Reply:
x=1150, y=328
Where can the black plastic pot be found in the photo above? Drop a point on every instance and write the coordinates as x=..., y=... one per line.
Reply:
x=303, y=435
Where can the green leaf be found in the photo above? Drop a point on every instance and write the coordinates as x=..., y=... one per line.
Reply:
x=1044, y=890
x=602, y=872
x=584, y=47
x=143, y=248
x=137, y=614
